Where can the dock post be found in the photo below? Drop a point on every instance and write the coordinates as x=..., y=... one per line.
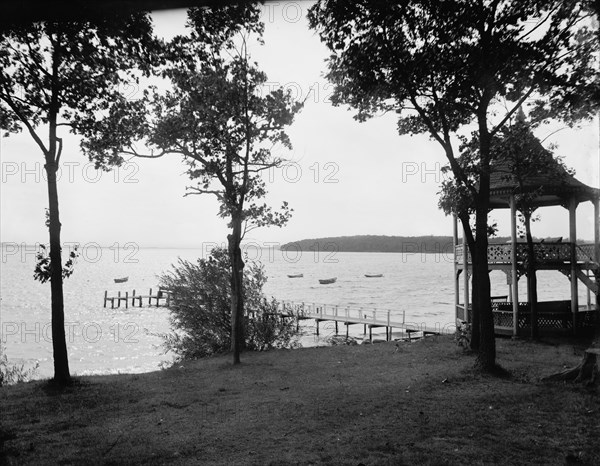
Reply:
x=317, y=322
x=360, y=315
x=347, y=326
x=119, y=299
x=105, y=297
x=370, y=333
x=336, y=327
x=133, y=299
x=388, y=329
x=150, y=297
x=126, y=299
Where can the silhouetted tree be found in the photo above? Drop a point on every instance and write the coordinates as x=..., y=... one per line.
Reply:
x=444, y=65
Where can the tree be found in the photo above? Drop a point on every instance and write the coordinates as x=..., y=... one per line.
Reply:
x=69, y=74
x=444, y=65
x=219, y=119
x=200, y=309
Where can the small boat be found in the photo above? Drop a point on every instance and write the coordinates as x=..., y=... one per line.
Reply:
x=121, y=280
x=376, y=275
x=327, y=281
x=297, y=275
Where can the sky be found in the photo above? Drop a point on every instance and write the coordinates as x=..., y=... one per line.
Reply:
x=344, y=177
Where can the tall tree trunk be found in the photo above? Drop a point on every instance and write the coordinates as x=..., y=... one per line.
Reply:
x=59, y=343
x=531, y=278
x=237, y=296
x=475, y=315
x=486, y=356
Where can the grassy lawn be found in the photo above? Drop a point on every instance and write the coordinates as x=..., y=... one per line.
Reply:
x=418, y=403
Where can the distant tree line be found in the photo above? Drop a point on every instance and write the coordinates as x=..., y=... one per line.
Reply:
x=381, y=243
x=374, y=243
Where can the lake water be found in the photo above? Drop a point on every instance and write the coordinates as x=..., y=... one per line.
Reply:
x=103, y=340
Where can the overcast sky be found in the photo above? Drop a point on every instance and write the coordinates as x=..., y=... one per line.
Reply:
x=346, y=178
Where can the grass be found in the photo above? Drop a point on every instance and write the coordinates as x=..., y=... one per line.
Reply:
x=418, y=403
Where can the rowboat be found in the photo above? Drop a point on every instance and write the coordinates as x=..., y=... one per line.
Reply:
x=376, y=275
x=121, y=280
x=297, y=275
x=327, y=281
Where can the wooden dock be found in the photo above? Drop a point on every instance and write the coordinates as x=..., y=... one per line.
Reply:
x=161, y=298
x=368, y=318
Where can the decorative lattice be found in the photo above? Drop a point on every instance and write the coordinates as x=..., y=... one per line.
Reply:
x=544, y=253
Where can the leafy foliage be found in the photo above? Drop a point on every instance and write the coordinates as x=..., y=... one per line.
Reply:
x=462, y=335
x=217, y=115
x=43, y=267
x=201, y=312
x=443, y=65
x=75, y=74
x=11, y=373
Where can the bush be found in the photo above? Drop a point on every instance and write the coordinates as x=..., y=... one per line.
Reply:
x=463, y=335
x=201, y=314
x=11, y=373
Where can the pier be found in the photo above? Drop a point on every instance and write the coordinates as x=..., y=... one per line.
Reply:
x=161, y=298
x=368, y=318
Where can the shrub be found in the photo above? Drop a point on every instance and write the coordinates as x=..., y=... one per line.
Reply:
x=11, y=373
x=201, y=314
x=463, y=335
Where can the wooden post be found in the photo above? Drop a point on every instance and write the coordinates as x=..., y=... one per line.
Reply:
x=513, y=259
x=150, y=297
x=456, y=279
x=573, y=241
x=119, y=299
x=317, y=322
x=589, y=293
x=105, y=297
x=336, y=327
x=597, y=231
x=597, y=250
x=465, y=274
x=126, y=299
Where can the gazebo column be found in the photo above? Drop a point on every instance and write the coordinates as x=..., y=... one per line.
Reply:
x=573, y=241
x=465, y=274
x=456, y=276
x=513, y=260
x=597, y=246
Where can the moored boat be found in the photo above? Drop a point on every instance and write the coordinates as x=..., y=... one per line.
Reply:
x=327, y=281
x=297, y=275
x=121, y=280
x=374, y=275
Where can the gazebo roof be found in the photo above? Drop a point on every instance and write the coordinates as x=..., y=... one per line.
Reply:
x=556, y=186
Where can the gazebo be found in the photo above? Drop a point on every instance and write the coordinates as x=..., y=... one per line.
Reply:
x=552, y=187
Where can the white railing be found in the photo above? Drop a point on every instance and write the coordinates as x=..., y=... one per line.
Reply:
x=544, y=252
x=362, y=315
